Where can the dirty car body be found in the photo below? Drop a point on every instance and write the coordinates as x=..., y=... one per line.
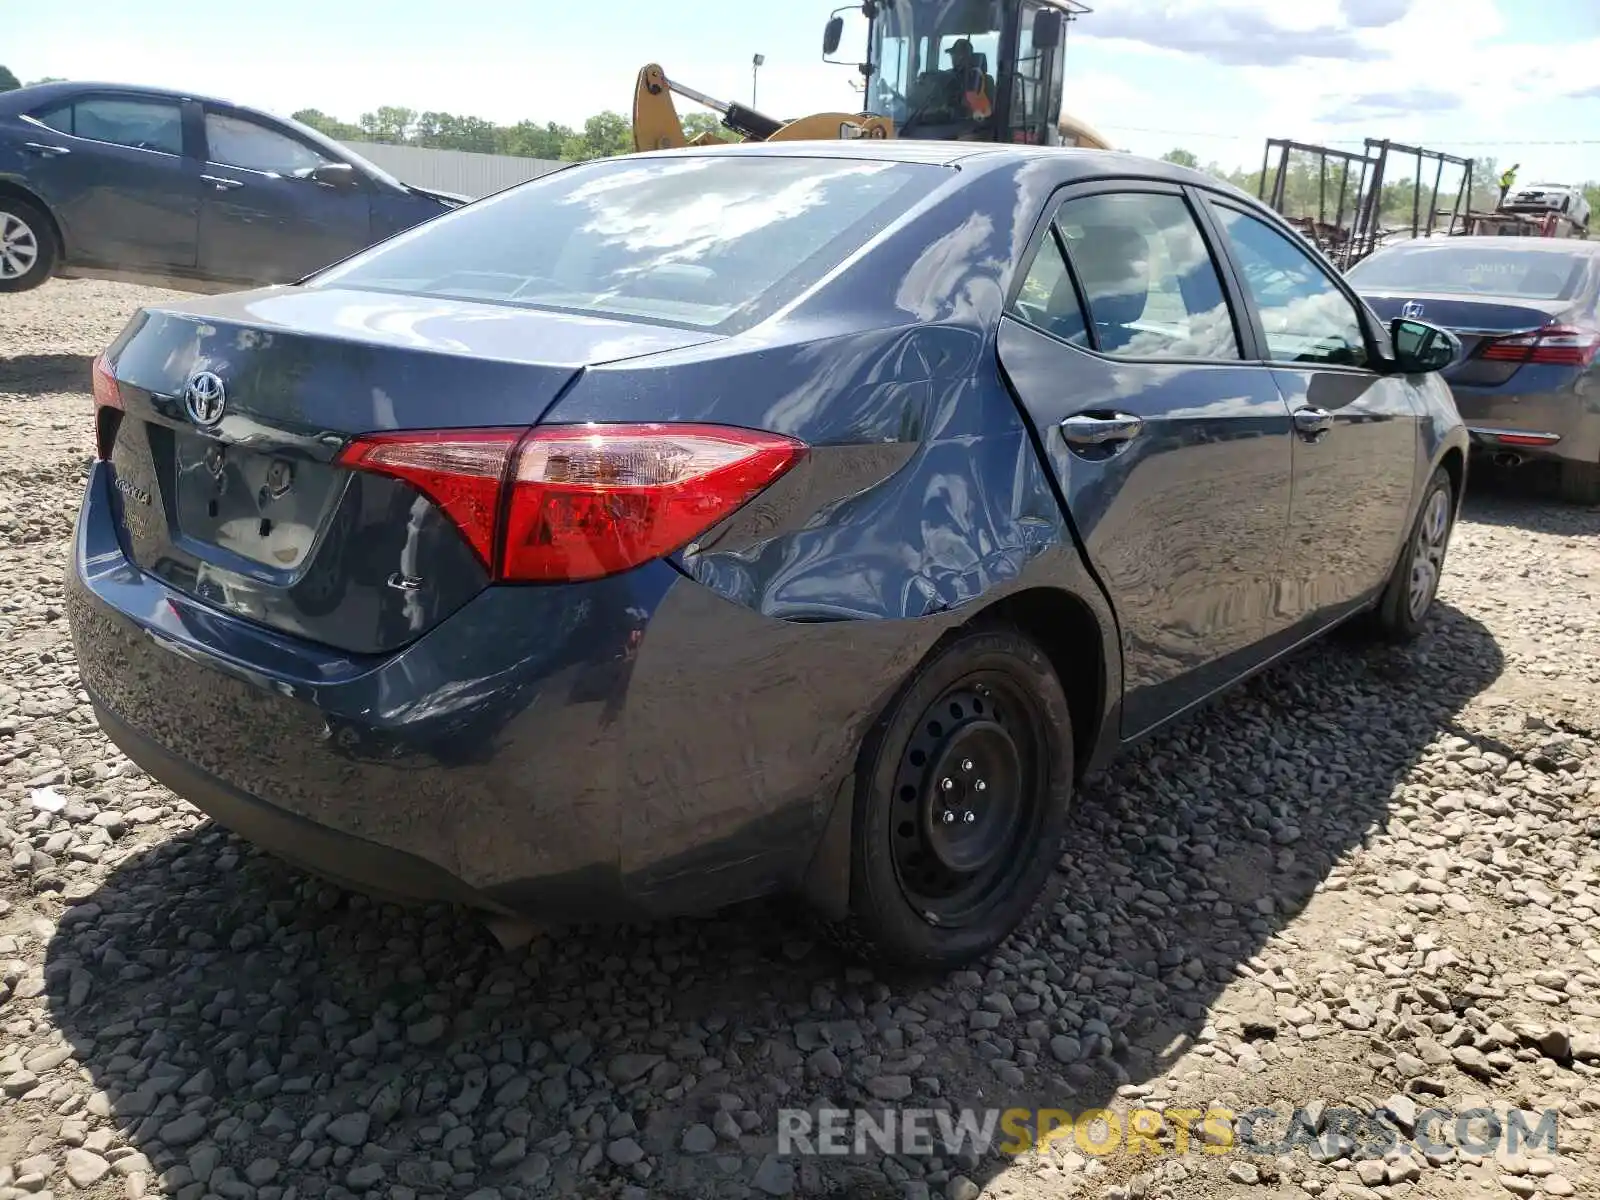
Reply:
x=382, y=675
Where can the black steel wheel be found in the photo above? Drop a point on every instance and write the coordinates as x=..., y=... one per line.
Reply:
x=967, y=798
x=961, y=802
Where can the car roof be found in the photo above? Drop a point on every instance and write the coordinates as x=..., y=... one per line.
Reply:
x=1078, y=163
x=28, y=98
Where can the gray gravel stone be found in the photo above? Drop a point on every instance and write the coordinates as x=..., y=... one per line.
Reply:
x=85, y=1168
x=774, y=1177
x=699, y=1139
x=624, y=1152
x=349, y=1129
x=183, y=1130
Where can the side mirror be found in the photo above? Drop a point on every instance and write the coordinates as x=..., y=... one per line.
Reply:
x=1420, y=348
x=832, y=36
x=334, y=175
x=1048, y=26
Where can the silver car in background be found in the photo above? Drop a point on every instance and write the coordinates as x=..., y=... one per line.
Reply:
x=1525, y=309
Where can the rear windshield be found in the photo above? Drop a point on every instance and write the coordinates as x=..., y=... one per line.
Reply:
x=713, y=242
x=1464, y=269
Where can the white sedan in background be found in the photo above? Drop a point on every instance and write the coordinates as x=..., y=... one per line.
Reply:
x=1550, y=197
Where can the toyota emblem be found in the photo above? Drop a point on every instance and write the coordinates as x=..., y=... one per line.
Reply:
x=1411, y=310
x=204, y=398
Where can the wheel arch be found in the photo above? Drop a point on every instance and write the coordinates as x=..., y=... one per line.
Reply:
x=1069, y=632
x=1454, y=463
x=1077, y=636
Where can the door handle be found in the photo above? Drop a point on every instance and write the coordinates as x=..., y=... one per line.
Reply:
x=45, y=151
x=222, y=183
x=1312, y=423
x=1089, y=429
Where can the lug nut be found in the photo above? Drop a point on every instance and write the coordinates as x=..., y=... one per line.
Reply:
x=980, y=786
x=969, y=818
x=948, y=816
x=947, y=784
x=966, y=764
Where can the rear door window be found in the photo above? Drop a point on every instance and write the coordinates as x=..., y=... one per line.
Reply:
x=707, y=242
x=1147, y=276
x=141, y=124
x=1048, y=299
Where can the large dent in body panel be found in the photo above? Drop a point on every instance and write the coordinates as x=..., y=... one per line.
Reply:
x=922, y=491
x=963, y=517
x=962, y=513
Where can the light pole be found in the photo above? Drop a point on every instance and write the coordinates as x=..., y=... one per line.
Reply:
x=756, y=64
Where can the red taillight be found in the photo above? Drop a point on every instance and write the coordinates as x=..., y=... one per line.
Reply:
x=1526, y=439
x=581, y=501
x=106, y=392
x=106, y=395
x=460, y=471
x=1554, y=345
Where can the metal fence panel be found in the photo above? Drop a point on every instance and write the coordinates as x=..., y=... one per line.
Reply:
x=460, y=171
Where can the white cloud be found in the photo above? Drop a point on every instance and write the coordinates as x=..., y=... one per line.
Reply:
x=1441, y=73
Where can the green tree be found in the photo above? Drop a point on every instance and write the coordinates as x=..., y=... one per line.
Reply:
x=389, y=124
x=530, y=140
x=341, y=131
x=446, y=131
x=46, y=79
x=697, y=123
x=8, y=81
x=604, y=135
x=1181, y=157
x=1485, y=184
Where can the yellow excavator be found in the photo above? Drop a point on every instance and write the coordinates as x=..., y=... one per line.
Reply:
x=963, y=70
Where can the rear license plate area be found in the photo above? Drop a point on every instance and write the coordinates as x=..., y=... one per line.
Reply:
x=262, y=506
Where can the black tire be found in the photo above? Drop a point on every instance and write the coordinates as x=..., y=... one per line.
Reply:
x=982, y=727
x=1580, y=482
x=1409, y=595
x=27, y=245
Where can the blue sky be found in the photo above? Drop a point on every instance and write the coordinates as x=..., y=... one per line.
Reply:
x=1476, y=77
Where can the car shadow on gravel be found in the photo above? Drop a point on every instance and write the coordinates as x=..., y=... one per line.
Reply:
x=249, y=1028
x=1525, y=497
x=40, y=374
x=1525, y=500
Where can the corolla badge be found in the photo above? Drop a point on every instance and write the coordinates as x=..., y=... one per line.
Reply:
x=1411, y=310
x=204, y=398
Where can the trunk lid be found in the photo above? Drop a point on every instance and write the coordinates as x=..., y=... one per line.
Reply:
x=234, y=410
x=1475, y=320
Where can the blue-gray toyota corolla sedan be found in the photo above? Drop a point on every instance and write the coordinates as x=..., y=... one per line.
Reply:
x=687, y=527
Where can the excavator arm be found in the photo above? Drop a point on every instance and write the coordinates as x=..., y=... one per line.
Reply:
x=657, y=126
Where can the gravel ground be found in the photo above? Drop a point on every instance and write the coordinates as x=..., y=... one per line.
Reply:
x=1367, y=880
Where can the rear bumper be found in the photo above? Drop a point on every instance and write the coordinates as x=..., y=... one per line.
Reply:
x=532, y=754
x=1549, y=425
x=366, y=866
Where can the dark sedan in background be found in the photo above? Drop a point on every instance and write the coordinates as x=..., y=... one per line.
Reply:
x=1525, y=310
x=688, y=527
x=183, y=191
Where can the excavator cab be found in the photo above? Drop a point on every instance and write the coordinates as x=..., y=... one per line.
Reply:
x=965, y=70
